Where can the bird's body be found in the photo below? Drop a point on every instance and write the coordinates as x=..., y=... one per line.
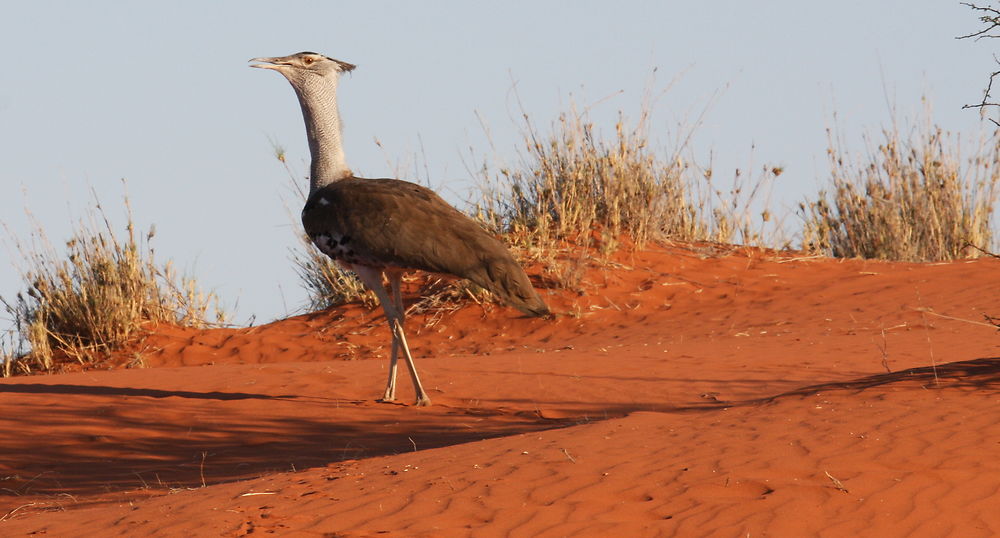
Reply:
x=386, y=226
x=389, y=224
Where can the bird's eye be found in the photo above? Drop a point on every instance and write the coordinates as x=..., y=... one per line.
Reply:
x=308, y=61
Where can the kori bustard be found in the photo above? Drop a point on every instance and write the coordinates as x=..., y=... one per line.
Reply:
x=387, y=226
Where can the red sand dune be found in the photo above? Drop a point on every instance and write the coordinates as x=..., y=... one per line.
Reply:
x=687, y=392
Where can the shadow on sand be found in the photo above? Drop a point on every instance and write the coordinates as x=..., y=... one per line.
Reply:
x=75, y=439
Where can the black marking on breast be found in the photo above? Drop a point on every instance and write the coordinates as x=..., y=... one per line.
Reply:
x=321, y=240
x=335, y=247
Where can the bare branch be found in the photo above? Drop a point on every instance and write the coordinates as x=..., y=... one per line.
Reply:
x=980, y=249
x=991, y=18
x=986, y=96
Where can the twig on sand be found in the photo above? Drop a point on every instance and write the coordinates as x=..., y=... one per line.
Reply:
x=10, y=513
x=201, y=468
x=836, y=483
x=567, y=454
x=926, y=310
x=884, y=348
x=801, y=258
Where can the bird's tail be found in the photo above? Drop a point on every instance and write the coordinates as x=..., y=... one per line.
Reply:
x=505, y=278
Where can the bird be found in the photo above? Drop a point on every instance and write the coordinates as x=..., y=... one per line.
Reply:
x=384, y=227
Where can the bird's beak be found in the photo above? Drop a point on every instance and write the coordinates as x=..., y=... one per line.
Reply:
x=269, y=63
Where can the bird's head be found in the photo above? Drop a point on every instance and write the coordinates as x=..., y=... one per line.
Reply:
x=297, y=68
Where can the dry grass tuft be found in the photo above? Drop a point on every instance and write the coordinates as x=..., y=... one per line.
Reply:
x=94, y=297
x=573, y=186
x=575, y=196
x=911, y=199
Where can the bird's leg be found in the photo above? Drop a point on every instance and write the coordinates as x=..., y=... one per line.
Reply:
x=373, y=280
x=422, y=398
x=395, y=278
x=397, y=301
x=390, y=384
x=393, y=315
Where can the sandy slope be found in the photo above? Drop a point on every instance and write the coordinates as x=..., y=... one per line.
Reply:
x=689, y=392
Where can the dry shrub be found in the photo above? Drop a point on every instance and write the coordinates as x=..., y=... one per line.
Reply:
x=439, y=296
x=96, y=296
x=572, y=184
x=8, y=352
x=741, y=213
x=912, y=198
x=574, y=194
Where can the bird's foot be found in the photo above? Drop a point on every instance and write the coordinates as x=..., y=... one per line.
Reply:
x=423, y=401
x=389, y=395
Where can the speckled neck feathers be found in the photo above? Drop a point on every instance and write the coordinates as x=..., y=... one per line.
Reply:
x=318, y=99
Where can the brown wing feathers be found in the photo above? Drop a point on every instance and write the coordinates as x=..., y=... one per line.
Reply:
x=397, y=223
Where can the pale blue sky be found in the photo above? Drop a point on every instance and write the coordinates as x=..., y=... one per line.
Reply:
x=161, y=95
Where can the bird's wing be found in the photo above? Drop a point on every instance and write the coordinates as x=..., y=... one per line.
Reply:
x=403, y=224
x=398, y=223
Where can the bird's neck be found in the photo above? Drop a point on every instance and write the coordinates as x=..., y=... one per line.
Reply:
x=318, y=98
